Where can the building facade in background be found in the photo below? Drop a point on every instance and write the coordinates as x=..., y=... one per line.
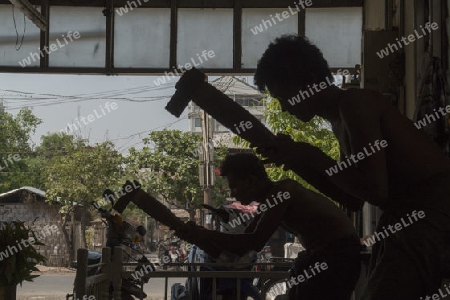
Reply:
x=241, y=92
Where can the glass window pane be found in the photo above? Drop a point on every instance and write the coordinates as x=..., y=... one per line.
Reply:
x=142, y=38
x=337, y=32
x=260, y=26
x=203, y=30
x=28, y=54
x=86, y=51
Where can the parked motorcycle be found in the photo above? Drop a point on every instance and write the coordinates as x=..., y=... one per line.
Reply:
x=163, y=253
x=175, y=256
x=274, y=287
x=226, y=287
x=267, y=288
x=123, y=234
x=264, y=256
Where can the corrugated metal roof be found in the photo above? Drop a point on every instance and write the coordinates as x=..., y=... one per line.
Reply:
x=230, y=85
x=27, y=188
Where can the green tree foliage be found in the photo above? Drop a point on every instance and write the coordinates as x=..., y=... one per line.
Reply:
x=82, y=173
x=168, y=168
x=18, y=266
x=316, y=132
x=52, y=145
x=55, y=144
x=15, y=133
x=77, y=174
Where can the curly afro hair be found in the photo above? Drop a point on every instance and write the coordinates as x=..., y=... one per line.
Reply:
x=242, y=165
x=289, y=61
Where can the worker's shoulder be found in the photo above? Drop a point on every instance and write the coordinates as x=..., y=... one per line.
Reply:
x=362, y=97
x=361, y=102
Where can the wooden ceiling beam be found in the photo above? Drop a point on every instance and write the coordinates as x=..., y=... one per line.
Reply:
x=31, y=13
x=199, y=3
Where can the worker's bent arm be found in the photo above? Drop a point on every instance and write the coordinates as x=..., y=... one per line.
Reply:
x=239, y=243
x=161, y=213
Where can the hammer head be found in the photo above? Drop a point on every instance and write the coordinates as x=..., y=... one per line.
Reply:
x=185, y=87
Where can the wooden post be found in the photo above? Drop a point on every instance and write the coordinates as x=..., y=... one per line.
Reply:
x=106, y=269
x=80, y=277
x=116, y=273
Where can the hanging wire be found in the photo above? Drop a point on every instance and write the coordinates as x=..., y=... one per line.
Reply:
x=17, y=33
x=36, y=99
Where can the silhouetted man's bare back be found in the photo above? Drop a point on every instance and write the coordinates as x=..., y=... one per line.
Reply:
x=408, y=172
x=303, y=214
x=410, y=157
x=326, y=232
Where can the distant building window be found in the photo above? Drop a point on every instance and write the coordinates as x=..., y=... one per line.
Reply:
x=198, y=122
x=248, y=102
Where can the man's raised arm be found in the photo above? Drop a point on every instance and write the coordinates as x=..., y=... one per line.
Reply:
x=297, y=157
x=192, y=86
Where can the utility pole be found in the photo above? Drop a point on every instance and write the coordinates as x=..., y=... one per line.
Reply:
x=207, y=165
x=2, y=110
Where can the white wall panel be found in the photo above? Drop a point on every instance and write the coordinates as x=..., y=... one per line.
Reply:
x=205, y=29
x=89, y=49
x=255, y=42
x=337, y=32
x=142, y=38
x=9, y=56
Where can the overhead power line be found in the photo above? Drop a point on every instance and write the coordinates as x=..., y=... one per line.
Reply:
x=29, y=99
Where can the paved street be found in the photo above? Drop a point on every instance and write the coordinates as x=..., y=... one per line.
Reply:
x=56, y=286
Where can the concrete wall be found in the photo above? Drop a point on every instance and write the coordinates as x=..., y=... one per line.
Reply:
x=46, y=217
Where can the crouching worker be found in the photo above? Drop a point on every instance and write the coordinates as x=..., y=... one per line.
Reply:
x=330, y=266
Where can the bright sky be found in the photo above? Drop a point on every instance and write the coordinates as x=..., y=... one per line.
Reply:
x=139, y=109
x=61, y=99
